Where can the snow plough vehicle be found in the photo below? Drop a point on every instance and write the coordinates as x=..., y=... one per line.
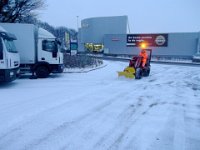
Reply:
x=135, y=69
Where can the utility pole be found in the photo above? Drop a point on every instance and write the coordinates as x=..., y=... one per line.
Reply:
x=77, y=22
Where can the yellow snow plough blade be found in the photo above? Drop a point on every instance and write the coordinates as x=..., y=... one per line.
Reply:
x=128, y=72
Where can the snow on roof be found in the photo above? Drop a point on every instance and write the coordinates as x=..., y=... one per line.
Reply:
x=2, y=29
x=45, y=34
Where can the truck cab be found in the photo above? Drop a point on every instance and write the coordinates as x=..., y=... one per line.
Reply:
x=49, y=48
x=40, y=51
x=49, y=55
x=9, y=57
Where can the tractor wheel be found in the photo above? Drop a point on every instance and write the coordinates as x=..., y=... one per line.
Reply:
x=42, y=72
x=138, y=73
x=146, y=72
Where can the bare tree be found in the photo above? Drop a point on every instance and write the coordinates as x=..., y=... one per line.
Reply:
x=19, y=10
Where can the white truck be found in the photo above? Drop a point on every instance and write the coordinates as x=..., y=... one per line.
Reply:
x=40, y=51
x=9, y=57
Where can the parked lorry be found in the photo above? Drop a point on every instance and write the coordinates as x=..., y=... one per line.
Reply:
x=40, y=51
x=9, y=57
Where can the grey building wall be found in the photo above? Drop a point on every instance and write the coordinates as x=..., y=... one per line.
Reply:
x=93, y=29
x=179, y=44
x=112, y=32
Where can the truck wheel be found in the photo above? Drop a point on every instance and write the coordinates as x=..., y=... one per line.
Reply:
x=138, y=73
x=42, y=72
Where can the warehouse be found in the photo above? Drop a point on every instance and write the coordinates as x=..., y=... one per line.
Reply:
x=109, y=35
x=92, y=31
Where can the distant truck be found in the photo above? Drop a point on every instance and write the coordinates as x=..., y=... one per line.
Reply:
x=9, y=57
x=40, y=51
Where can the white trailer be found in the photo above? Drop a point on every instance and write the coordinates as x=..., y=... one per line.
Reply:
x=9, y=57
x=40, y=51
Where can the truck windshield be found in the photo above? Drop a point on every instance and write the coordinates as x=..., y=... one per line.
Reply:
x=10, y=46
x=50, y=46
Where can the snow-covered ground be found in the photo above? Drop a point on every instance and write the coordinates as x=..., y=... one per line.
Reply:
x=99, y=111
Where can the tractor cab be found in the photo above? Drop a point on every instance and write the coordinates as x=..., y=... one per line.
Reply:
x=135, y=68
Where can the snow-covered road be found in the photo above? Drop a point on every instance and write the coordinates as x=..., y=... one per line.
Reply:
x=99, y=111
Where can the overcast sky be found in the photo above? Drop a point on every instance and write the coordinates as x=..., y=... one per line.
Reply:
x=145, y=16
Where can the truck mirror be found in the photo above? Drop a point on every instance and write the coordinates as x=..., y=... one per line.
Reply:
x=55, y=49
x=58, y=41
x=63, y=49
x=1, y=50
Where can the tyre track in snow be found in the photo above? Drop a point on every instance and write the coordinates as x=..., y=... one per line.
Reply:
x=37, y=100
x=95, y=111
x=174, y=134
x=43, y=110
x=127, y=129
x=34, y=118
x=56, y=95
x=124, y=115
x=127, y=114
x=129, y=117
x=117, y=142
x=30, y=119
x=67, y=125
x=167, y=137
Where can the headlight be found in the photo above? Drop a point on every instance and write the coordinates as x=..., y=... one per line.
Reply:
x=11, y=73
x=18, y=71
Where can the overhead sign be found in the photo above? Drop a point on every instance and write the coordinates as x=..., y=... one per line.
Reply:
x=152, y=40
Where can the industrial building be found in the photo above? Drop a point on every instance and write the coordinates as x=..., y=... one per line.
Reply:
x=109, y=35
x=92, y=31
